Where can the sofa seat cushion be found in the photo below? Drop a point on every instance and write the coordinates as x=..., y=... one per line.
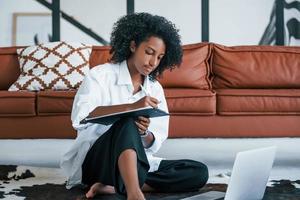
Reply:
x=55, y=102
x=20, y=103
x=191, y=101
x=258, y=102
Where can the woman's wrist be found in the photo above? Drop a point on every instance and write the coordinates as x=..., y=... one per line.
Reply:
x=145, y=134
x=147, y=139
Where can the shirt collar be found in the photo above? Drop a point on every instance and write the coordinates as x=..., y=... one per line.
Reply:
x=124, y=77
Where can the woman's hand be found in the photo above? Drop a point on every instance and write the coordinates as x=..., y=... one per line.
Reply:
x=142, y=124
x=146, y=101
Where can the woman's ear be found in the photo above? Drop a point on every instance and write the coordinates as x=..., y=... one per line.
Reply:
x=132, y=46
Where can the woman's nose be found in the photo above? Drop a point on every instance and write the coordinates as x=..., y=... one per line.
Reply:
x=153, y=62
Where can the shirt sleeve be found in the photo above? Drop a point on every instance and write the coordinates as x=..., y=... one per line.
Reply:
x=86, y=100
x=159, y=126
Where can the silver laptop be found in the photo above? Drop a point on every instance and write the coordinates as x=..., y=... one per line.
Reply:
x=249, y=176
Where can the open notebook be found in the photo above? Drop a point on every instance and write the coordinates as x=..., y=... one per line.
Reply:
x=148, y=112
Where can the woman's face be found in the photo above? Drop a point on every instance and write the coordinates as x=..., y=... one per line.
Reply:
x=147, y=56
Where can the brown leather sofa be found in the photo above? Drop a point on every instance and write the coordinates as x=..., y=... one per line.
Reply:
x=218, y=91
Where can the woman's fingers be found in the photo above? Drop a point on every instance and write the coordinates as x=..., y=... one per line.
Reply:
x=145, y=124
x=144, y=119
x=154, y=105
x=153, y=102
x=146, y=101
x=141, y=127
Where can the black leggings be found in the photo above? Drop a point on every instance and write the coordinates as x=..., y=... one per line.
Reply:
x=183, y=175
x=101, y=163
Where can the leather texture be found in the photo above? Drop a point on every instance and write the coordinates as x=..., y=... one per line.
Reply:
x=258, y=101
x=40, y=127
x=256, y=67
x=191, y=101
x=193, y=71
x=9, y=67
x=234, y=126
x=16, y=104
x=55, y=102
x=100, y=55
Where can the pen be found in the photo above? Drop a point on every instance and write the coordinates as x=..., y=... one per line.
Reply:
x=145, y=91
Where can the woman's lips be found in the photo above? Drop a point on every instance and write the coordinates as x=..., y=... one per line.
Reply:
x=148, y=69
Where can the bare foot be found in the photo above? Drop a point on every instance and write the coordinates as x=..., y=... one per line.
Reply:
x=99, y=188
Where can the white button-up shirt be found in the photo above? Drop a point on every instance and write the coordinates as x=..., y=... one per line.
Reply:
x=104, y=85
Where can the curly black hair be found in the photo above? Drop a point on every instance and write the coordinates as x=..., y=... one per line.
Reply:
x=139, y=27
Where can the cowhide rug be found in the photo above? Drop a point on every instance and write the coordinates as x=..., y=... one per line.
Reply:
x=35, y=183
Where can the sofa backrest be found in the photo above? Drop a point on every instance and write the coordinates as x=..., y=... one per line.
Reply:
x=9, y=67
x=100, y=55
x=231, y=67
x=194, y=70
x=255, y=67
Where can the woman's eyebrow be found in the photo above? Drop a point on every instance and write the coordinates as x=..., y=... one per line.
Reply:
x=151, y=48
x=155, y=50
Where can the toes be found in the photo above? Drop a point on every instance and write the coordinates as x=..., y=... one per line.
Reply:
x=90, y=194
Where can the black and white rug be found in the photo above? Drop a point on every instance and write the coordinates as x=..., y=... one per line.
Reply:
x=36, y=183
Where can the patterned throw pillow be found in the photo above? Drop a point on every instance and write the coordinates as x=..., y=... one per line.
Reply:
x=55, y=65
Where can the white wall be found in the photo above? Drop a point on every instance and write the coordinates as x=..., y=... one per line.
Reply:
x=232, y=22
x=96, y=15
x=236, y=22
x=186, y=15
x=7, y=8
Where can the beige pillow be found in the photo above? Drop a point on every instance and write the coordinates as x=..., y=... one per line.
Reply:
x=55, y=65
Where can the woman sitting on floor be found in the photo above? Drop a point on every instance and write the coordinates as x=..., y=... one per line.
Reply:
x=119, y=157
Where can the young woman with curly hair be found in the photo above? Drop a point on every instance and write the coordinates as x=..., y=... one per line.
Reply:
x=119, y=158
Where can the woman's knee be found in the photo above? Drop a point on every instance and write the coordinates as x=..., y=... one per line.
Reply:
x=127, y=125
x=202, y=174
x=125, y=121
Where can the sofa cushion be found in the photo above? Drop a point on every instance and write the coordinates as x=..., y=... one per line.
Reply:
x=193, y=71
x=55, y=65
x=55, y=102
x=9, y=66
x=17, y=104
x=99, y=55
x=43, y=127
x=256, y=67
x=191, y=101
x=258, y=101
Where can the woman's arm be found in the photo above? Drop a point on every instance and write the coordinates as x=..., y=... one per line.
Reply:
x=105, y=110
